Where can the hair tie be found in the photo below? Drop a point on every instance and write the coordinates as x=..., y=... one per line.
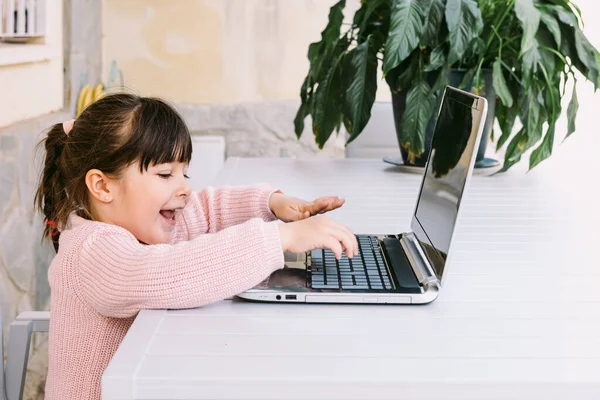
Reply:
x=54, y=227
x=68, y=125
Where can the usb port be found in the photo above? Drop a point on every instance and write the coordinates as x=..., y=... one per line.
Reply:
x=290, y=297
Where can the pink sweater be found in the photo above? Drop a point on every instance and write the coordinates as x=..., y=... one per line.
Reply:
x=102, y=277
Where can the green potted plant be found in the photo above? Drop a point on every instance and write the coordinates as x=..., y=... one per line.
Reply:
x=519, y=51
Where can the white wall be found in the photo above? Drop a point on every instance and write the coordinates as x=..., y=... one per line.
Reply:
x=32, y=89
x=583, y=147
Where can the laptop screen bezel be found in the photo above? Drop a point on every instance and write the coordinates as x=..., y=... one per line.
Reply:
x=479, y=104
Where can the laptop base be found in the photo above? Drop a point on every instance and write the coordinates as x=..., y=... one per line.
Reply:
x=381, y=274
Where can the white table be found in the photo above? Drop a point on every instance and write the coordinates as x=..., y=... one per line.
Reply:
x=518, y=317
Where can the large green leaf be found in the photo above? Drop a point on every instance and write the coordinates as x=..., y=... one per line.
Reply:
x=361, y=93
x=530, y=116
x=370, y=17
x=572, y=111
x=550, y=21
x=406, y=25
x=552, y=98
x=567, y=4
x=402, y=77
x=319, y=53
x=530, y=21
x=475, y=48
x=437, y=90
x=326, y=110
x=443, y=80
x=499, y=84
x=544, y=150
x=531, y=58
x=302, y=113
x=597, y=57
x=304, y=109
x=418, y=112
x=550, y=111
x=548, y=59
x=583, y=58
x=464, y=24
x=515, y=149
x=436, y=59
x=506, y=119
x=433, y=15
x=336, y=18
x=467, y=80
x=587, y=53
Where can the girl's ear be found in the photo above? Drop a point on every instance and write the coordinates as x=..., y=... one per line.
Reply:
x=100, y=186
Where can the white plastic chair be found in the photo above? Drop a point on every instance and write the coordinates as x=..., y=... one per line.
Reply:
x=378, y=139
x=208, y=157
x=12, y=375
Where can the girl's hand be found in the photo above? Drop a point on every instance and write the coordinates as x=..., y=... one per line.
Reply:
x=319, y=232
x=289, y=209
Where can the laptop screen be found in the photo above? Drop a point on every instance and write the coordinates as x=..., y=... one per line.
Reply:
x=453, y=149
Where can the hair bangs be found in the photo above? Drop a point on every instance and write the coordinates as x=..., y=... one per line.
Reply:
x=163, y=135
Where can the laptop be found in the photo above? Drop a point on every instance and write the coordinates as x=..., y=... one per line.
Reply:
x=396, y=268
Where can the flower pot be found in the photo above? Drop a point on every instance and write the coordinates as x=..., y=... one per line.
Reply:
x=456, y=77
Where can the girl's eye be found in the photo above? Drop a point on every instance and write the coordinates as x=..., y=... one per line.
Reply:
x=165, y=176
x=185, y=176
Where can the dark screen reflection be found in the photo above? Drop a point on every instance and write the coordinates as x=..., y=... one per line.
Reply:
x=453, y=145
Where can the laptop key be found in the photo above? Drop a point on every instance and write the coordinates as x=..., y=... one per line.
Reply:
x=363, y=287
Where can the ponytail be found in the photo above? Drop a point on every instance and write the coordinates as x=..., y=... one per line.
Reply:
x=51, y=195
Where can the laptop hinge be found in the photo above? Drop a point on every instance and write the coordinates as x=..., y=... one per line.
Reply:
x=417, y=259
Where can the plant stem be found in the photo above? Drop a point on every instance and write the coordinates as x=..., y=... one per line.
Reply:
x=511, y=72
x=476, y=80
x=563, y=59
x=500, y=40
x=498, y=23
x=421, y=63
x=549, y=88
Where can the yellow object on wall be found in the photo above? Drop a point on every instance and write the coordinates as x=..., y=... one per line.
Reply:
x=87, y=95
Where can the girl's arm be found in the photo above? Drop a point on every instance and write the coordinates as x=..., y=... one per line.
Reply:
x=118, y=276
x=212, y=210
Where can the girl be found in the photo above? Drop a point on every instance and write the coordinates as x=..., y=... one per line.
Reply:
x=130, y=235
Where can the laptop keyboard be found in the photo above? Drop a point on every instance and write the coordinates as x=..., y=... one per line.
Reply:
x=365, y=271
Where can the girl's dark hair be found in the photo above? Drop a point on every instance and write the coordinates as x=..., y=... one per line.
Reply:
x=109, y=135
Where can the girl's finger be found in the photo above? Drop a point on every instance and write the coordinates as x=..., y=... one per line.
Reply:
x=332, y=204
x=334, y=245
x=314, y=208
x=353, y=240
x=346, y=238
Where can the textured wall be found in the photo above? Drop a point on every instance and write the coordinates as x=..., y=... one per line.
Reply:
x=23, y=259
x=258, y=129
x=215, y=51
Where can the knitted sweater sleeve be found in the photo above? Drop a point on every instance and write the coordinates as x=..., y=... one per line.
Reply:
x=118, y=276
x=212, y=209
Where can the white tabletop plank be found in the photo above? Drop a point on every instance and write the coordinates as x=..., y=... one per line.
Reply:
x=518, y=317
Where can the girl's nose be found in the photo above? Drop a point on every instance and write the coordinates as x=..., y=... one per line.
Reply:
x=184, y=191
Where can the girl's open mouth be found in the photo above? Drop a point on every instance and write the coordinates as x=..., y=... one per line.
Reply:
x=169, y=216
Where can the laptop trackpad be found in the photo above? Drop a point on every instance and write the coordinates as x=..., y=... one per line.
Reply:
x=293, y=276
